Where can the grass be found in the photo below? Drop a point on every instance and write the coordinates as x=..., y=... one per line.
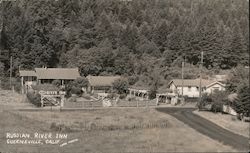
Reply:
x=176, y=136
x=226, y=121
x=119, y=136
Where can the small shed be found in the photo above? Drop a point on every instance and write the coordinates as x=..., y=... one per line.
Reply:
x=101, y=84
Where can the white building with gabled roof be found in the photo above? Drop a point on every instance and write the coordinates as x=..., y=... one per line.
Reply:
x=191, y=86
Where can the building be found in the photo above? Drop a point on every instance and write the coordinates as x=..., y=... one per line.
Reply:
x=140, y=92
x=191, y=86
x=101, y=84
x=28, y=78
x=47, y=75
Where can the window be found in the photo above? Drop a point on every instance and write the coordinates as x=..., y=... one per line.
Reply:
x=189, y=88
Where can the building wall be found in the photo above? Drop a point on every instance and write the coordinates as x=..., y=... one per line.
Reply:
x=214, y=87
x=194, y=91
x=189, y=91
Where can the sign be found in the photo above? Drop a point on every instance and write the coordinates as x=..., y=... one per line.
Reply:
x=52, y=92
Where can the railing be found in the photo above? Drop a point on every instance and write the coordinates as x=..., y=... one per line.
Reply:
x=113, y=103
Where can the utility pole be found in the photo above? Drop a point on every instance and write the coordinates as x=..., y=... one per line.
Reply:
x=10, y=72
x=182, y=77
x=200, y=86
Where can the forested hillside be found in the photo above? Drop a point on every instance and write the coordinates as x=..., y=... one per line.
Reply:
x=139, y=37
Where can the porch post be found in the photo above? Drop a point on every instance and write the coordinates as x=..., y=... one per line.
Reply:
x=22, y=85
x=157, y=99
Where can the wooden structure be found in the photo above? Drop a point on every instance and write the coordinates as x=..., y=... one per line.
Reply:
x=52, y=98
x=169, y=98
x=28, y=78
x=190, y=87
x=101, y=84
x=140, y=92
x=47, y=75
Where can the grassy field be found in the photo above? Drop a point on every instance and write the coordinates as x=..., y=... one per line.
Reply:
x=227, y=121
x=104, y=130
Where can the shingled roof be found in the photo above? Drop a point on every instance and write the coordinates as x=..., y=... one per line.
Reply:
x=191, y=82
x=27, y=73
x=102, y=80
x=57, y=73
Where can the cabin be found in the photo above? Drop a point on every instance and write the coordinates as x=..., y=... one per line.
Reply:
x=28, y=78
x=47, y=75
x=101, y=84
x=191, y=86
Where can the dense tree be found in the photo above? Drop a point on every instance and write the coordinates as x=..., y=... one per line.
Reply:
x=124, y=37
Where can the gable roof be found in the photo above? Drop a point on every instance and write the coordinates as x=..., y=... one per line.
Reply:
x=191, y=82
x=27, y=73
x=215, y=82
x=57, y=73
x=102, y=80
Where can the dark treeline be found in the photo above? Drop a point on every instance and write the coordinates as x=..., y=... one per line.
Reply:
x=140, y=37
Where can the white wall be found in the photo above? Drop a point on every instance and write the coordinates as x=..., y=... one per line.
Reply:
x=189, y=91
x=214, y=87
x=194, y=91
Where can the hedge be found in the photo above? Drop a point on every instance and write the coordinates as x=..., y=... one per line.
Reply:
x=34, y=98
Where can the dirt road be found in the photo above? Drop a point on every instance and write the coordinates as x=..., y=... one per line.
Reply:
x=208, y=128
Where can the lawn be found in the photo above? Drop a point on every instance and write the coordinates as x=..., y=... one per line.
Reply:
x=172, y=136
x=102, y=130
x=226, y=121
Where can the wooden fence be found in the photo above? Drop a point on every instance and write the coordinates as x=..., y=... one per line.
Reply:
x=99, y=103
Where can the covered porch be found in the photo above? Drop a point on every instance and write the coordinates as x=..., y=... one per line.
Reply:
x=141, y=93
x=167, y=98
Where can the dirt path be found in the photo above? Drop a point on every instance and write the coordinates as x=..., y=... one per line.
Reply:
x=208, y=128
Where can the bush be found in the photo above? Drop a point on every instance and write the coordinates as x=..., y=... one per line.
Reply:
x=5, y=84
x=217, y=107
x=56, y=83
x=242, y=104
x=45, y=87
x=86, y=96
x=34, y=98
x=120, y=86
x=123, y=96
x=216, y=100
x=152, y=93
x=75, y=87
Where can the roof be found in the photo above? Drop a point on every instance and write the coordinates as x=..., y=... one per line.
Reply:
x=57, y=73
x=27, y=73
x=139, y=87
x=215, y=82
x=102, y=80
x=191, y=82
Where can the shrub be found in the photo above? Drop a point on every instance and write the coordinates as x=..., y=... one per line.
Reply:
x=152, y=93
x=56, y=83
x=86, y=96
x=75, y=87
x=5, y=83
x=216, y=99
x=45, y=87
x=34, y=98
x=120, y=86
x=123, y=96
x=242, y=104
x=72, y=99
